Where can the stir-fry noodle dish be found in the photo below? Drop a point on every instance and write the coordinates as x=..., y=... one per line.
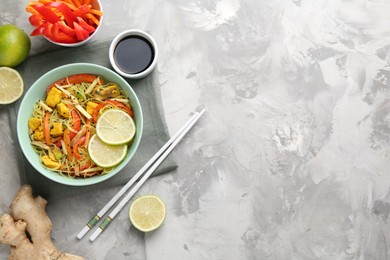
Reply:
x=63, y=124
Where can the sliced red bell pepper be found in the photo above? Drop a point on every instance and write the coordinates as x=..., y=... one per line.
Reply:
x=79, y=78
x=65, y=28
x=53, y=32
x=85, y=26
x=38, y=31
x=81, y=33
x=95, y=113
x=76, y=146
x=47, y=31
x=69, y=17
x=47, y=14
x=74, y=79
x=63, y=37
x=36, y=20
x=81, y=11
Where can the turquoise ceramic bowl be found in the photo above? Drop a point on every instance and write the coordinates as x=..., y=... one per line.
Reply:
x=37, y=91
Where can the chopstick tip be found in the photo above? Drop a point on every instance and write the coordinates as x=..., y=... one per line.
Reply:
x=95, y=234
x=83, y=232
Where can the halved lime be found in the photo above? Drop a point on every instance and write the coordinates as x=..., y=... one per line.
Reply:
x=105, y=155
x=11, y=85
x=147, y=212
x=115, y=127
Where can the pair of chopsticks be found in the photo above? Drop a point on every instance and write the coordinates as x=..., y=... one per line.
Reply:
x=149, y=168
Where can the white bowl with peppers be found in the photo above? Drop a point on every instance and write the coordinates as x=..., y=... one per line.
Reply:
x=68, y=23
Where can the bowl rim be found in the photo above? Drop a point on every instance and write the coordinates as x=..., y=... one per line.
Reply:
x=122, y=35
x=22, y=127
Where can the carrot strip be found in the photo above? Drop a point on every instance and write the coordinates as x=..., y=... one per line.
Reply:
x=76, y=122
x=96, y=12
x=31, y=10
x=46, y=128
x=93, y=18
x=67, y=144
x=69, y=3
x=77, y=3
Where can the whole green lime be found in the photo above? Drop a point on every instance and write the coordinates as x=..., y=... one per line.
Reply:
x=15, y=45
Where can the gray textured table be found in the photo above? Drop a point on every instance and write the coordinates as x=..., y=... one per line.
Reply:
x=291, y=160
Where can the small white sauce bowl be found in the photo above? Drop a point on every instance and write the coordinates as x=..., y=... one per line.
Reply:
x=127, y=33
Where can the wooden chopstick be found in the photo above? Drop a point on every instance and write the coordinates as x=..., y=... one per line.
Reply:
x=163, y=152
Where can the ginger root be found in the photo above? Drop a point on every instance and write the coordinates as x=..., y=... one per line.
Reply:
x=27, y=214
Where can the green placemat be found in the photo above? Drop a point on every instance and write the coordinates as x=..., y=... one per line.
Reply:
x=154, y=136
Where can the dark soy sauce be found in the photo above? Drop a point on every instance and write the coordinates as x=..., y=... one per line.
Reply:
x=133, y=54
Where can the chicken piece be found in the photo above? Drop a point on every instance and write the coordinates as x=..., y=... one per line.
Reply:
x=106, y=91
x=34, y=123
x=63, y=110
x=38, y=134
x=49, y=162
x=56, y=129
x=91, y=106
x=53, y=97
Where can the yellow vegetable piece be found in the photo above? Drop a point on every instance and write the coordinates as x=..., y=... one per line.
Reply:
x=34, y=123
x=91, y=106
x=63, y=110
x=56, y=129
x=38, y=134
x=53, y=97
x=49, y=162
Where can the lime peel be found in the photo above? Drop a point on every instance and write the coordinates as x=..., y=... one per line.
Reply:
x=15, y=45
